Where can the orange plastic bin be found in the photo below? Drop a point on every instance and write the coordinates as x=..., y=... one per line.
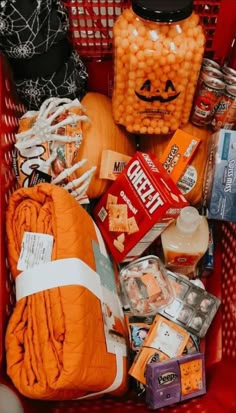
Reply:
x=91, y=34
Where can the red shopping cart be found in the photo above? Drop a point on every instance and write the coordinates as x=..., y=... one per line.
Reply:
x=91, y=33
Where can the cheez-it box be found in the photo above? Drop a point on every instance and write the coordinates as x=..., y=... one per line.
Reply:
x=137, y=207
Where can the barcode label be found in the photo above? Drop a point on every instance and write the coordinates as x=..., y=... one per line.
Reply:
x=148, y=238
x=36, y=249
x=190, y=148
x=188, y=181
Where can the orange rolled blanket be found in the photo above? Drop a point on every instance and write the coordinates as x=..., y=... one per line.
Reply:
x=61, y=343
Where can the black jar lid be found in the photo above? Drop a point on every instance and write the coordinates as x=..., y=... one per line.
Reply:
x=164, y=11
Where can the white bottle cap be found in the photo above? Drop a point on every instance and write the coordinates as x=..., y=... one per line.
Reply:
x=188, y=220
x=9, y=401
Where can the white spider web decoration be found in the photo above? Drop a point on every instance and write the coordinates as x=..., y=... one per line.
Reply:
x=32, y=27
x=69, y=82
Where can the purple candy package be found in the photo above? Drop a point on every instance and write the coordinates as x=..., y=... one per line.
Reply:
x=175, y=380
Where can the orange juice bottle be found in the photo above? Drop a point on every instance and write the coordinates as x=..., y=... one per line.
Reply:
x=185, y=241
x=158, y=51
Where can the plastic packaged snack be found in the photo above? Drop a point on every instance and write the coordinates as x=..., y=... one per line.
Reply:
x=193, y=308
x=165, y=340
x=47, y=145
x=138, y=328
x=145, y=285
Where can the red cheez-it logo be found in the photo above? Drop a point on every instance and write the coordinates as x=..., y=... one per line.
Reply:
x=143, y=187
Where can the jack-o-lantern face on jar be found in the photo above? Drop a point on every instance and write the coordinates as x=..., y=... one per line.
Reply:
x=146, y=93
x=158, y=55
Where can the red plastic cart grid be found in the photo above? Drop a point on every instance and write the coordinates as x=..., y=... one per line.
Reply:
x=92, y=37
x=90, y=32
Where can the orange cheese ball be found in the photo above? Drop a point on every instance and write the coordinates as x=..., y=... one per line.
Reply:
x=156, y=68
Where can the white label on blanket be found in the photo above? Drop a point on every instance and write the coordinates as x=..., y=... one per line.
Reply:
x=35, y=249
x=113, y=316
x=67, y=271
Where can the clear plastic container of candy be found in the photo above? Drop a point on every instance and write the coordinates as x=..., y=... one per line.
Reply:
x=145, y=285
x=158, y=52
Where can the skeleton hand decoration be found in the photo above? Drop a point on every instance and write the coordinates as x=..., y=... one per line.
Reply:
x=43, y=129
x=50, y=133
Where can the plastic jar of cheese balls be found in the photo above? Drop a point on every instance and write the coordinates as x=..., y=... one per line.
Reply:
x=158, y=52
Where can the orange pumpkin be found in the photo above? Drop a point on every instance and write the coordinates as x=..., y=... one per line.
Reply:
x=101, y=133
x=157, y=144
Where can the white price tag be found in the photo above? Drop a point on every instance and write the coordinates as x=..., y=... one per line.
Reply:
x=35, y=249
